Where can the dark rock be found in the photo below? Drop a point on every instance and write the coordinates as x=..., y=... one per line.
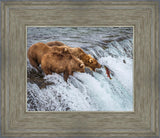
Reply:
x=67, y=108
x=108, y=41
x=87, y=70
x=36, y=77
x=124, y=61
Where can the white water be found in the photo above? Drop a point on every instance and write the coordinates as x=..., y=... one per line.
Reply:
x=89, y=91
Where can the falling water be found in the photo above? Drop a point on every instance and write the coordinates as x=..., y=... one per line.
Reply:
x=89, y=91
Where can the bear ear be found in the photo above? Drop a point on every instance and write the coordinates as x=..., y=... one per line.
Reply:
x=65, y=49
x=90, y=61
x=89, y=55
x=81, y=65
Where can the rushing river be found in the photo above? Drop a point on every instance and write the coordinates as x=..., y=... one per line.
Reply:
x=89, y=91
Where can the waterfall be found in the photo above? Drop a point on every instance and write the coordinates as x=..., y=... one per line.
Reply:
x=89, y=91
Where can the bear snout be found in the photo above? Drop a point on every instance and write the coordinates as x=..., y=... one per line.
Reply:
x=98, y=65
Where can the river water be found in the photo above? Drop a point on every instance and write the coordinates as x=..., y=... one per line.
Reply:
x=89, y=91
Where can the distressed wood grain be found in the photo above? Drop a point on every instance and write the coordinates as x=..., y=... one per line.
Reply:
x=16, y=16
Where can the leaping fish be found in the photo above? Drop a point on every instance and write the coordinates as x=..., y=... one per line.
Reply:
x=108, y=72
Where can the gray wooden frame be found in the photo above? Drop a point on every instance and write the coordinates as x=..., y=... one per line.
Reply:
x=16, y=121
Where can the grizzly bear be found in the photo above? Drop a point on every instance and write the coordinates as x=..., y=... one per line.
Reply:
x=88, y=60
x=61, y=63
x=36, y=52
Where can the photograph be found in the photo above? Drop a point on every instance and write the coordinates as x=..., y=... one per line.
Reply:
x=80, y=68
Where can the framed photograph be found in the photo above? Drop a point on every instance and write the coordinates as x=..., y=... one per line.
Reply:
x=80, y=69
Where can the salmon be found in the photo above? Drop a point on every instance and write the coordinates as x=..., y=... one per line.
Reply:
x=108, y=72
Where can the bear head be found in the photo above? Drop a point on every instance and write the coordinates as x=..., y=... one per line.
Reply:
x=92, y=63
x=79, y=65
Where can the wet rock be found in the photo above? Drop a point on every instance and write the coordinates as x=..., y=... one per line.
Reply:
x=121, y=39
x=67, y=109
x=87, y=70
x=99, y=71
x=36, y=77
x=31, y=102
x=108, y=41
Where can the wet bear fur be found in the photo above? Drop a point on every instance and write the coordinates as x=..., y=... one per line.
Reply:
x=88, y=60
x=36, y=52
x=61, y=63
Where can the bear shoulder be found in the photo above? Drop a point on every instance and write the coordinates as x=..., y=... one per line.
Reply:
x=55, y=43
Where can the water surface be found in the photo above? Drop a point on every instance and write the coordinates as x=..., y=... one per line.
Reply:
x=89, y=91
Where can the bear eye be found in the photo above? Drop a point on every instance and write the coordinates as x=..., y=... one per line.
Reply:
x=90, y=61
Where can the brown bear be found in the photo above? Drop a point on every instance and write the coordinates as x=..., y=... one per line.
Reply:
x=88, y=60
x=61, y=63
x=36, y=52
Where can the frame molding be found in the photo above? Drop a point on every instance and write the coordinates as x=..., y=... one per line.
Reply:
x=142, y=122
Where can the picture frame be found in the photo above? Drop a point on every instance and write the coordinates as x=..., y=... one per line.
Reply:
x=16, y=121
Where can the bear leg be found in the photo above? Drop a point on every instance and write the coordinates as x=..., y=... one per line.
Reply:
x=34, y=64
x=47, y=71
x=72, y=73
x=66, y=75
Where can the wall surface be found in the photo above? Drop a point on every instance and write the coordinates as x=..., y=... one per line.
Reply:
x=77, y=1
